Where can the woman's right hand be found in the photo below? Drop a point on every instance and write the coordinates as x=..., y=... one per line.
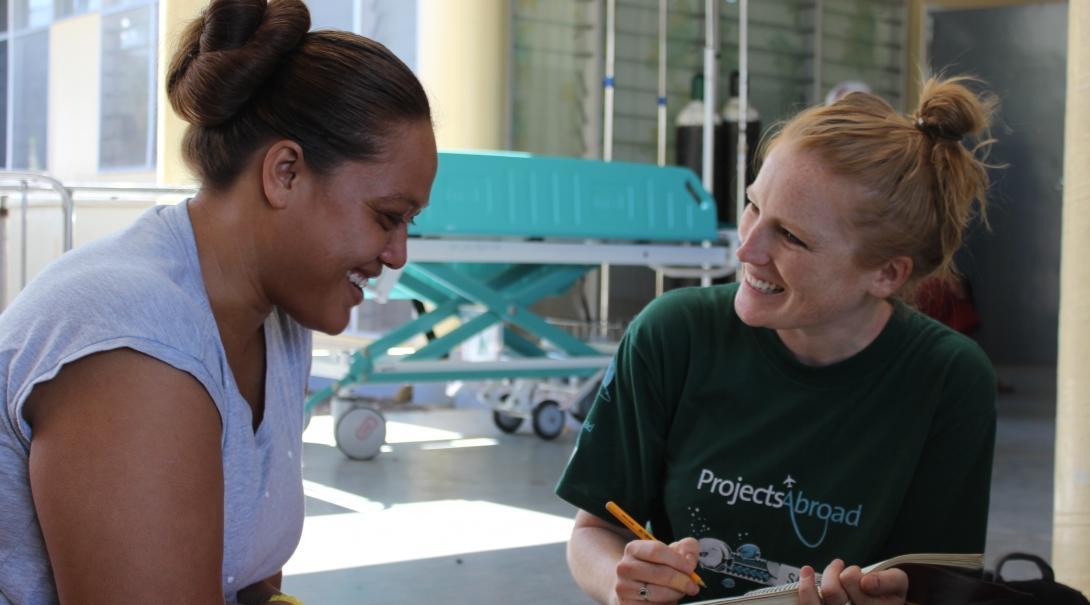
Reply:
x=653, y=572
x=842, y=585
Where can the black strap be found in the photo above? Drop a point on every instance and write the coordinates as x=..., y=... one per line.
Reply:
x=1042, y=565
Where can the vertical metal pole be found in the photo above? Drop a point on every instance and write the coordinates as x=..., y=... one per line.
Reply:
x=819, y=49
x=603, y=300
x=68, y=209
x=711, y=48
x=660, y=281
x=662, y=84
x=608, y=82
x=711, y=68
x=607, y=147
x=743, y=107
x=22, y=237
x=3, y=251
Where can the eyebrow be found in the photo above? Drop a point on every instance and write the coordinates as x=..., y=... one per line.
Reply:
x=400, y=197
x=802, y=234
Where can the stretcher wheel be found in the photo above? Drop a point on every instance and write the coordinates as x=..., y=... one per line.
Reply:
x=548, y=420
x=360, y=432
x=506, y=422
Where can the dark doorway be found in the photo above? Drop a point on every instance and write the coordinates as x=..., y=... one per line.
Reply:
x=1014, y=270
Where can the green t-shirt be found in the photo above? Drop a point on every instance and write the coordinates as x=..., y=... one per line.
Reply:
x=709, y=428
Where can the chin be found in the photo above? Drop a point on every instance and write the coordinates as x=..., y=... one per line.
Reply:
x=334, y=328
x=751, y=313
x=331, y=324
x=744, y=308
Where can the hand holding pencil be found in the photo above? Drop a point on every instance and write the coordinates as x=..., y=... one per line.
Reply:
x=643, y=534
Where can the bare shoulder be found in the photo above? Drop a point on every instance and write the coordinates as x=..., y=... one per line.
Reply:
x=127, y=480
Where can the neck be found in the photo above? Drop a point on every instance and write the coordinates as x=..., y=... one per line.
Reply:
x=836, y=341
x=228, y=253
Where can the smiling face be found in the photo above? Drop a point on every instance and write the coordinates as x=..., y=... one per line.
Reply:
x=801, y=275
x=340, y=229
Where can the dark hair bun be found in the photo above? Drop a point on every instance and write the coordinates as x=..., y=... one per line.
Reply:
x=227, y=54
x=949, y=110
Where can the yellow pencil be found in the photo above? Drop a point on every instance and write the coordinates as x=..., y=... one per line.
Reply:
x=642, y=533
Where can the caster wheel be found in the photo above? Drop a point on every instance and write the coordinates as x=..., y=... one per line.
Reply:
x=506, y=422
x=360, y=433
x=548, y=420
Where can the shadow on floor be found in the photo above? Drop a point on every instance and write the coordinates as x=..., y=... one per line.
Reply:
x=505, y=482
x=527, y=576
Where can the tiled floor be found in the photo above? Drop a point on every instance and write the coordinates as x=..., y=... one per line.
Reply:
x=458, y=512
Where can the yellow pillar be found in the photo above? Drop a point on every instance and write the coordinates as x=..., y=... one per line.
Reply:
x=915, y=61
x=169, y=128
x=463, y=50
x=1071, y=510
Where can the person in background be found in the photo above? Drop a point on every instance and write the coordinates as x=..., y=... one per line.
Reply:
x=845, y=88
x=153, y=381
x=805, y=414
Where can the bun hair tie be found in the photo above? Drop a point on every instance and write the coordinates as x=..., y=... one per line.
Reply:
x=935, y=132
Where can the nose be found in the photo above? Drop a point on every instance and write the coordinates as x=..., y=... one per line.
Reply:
x=754, y=247
x=395, y=255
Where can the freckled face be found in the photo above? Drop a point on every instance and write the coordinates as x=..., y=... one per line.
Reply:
x=353, y=223
x=798, y=247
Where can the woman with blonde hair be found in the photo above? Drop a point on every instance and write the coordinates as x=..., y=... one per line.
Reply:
x=805, y=414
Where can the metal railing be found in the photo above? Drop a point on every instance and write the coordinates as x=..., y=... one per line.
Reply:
x=24, y=185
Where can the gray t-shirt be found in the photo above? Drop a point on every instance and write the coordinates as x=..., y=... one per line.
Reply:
x=142, y=289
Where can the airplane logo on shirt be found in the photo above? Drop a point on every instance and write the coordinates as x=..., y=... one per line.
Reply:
x=789, y=481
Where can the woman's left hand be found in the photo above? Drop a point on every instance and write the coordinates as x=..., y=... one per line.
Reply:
x=840, y=586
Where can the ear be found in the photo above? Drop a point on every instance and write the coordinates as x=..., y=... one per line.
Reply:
x=280, y=171
x=889, y=278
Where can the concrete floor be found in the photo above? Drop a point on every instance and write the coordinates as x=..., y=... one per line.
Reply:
x=1020, y=516
x=456, y=511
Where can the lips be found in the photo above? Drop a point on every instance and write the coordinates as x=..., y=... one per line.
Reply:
x=762, y=286
x=358, y=278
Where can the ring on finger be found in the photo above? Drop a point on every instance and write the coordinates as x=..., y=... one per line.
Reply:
x=643, y=591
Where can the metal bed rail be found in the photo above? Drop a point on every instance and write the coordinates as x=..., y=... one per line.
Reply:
x=41, y=189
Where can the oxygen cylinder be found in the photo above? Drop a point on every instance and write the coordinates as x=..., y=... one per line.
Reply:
x=727, y=131
x=689, y=130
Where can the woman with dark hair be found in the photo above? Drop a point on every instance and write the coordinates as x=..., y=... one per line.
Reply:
x=153, y=381
x=805, y=414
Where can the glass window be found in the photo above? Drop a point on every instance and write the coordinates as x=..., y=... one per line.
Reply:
x=33, y=13
x=127, y=128
x=332, y=14
x=29, y=108
x=393, y=23
x=3, y=15
x=70, y=8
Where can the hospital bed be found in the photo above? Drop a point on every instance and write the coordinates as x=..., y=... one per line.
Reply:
x=503, y=231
